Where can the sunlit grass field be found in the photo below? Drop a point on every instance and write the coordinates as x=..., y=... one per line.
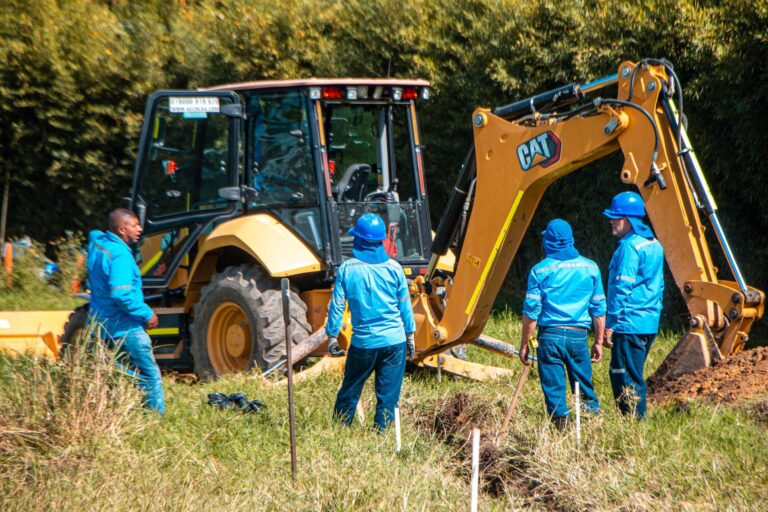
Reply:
x=73, y=437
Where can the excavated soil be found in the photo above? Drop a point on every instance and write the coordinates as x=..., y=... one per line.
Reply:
x=742, y=376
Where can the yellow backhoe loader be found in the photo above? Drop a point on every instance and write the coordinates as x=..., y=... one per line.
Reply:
x=241, y=184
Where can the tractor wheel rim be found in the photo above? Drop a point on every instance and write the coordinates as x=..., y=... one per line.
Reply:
x=229, y=339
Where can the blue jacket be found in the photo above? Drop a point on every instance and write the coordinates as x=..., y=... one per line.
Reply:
x=378, y=300
x=635, y=285
x=117, y=301
x=564, y=293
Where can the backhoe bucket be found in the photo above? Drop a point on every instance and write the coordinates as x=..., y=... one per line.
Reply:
x=695, y=350
x=36, y=333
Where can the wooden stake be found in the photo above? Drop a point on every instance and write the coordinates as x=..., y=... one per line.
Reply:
x=4, y=213
x=511, y=408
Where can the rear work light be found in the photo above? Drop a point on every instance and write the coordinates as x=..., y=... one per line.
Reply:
x=410, y=93
x=332, y=93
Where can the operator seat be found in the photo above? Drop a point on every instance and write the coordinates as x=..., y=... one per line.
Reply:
x=352, y=183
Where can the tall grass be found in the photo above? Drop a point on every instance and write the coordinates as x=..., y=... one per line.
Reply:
x=696, y=457
x=58, y=416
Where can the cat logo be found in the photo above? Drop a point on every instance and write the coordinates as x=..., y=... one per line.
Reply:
x=543, y=150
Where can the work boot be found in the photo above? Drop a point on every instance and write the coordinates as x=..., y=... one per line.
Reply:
x=562, y=422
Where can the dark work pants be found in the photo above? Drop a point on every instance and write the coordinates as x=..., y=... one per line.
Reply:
x=627, y=361
x=389, y=365
x=565, y=351
x=137, y=360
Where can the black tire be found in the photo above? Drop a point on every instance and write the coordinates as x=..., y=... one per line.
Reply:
x=244, y=301
x=74, y=331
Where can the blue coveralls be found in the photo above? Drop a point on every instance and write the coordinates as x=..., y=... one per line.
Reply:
x=635, y=288
x=563, y=296
x=380, y=305
x=117, y=303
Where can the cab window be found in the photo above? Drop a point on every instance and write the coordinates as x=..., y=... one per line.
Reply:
x=188, y=161
x=279, y=150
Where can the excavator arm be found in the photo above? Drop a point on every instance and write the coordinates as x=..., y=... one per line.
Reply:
x=522, y=148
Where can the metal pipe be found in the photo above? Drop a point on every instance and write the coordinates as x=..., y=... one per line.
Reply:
x=286, y=289
x=559, y=97
x=500, y=347
x=600, y=83
x=447, y=225
x=709, y=205
x=728, y=253
x=301, y=350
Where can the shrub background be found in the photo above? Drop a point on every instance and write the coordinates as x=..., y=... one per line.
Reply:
x=74, y=75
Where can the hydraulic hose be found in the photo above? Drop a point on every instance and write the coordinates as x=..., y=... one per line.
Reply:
x=678, y=90
x=448, y=221
x=655, y=172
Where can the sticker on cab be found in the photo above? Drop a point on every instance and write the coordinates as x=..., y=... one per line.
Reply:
x=193, y=104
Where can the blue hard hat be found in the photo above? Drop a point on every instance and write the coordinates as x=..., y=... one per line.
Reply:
x=369, y=227
x=626, y=204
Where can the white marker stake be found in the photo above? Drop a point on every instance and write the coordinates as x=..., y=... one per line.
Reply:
x=397, y=429
x=578, y=416
x=475, y=468
x=360, y=413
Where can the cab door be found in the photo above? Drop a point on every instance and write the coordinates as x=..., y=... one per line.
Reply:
x=188, y=153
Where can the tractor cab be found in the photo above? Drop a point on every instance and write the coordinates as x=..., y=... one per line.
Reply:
x=312, y=154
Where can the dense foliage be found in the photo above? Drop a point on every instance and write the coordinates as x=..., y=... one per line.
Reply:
x=74, y=75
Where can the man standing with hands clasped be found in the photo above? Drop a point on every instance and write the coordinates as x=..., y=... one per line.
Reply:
x=565, y=294
x=374, y=286
x=635, y=288
x=117, y=302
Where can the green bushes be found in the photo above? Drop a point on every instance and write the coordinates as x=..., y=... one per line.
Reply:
x=76, y=74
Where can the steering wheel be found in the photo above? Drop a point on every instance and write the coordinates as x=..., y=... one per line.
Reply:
x=380, y=197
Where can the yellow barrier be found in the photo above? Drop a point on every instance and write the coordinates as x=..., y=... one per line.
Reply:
x=32, y=332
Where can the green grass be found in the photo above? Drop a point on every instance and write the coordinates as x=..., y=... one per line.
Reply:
x=46, y=297
x=698, y=457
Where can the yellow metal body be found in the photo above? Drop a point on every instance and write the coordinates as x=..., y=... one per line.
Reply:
x=506, y=197
x=278, y=250
x=21, y=332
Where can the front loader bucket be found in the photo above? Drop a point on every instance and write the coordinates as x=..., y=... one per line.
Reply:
x=695, y=350
x=36, y=333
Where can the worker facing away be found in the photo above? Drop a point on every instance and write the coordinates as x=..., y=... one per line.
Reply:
x=117, y=302
x=374, y=287
x=635, y=287
x=565, y=295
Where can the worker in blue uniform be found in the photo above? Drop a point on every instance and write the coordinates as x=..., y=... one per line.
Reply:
x=374, y=287
x=117, y=302
x=635, y=288
x=565, y=295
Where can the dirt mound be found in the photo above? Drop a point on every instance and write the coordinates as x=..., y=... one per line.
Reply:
x=742, y=376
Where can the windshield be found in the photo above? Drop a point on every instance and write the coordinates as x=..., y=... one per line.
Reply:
x=369, y=151
x=403, y=226
x=371, y=165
